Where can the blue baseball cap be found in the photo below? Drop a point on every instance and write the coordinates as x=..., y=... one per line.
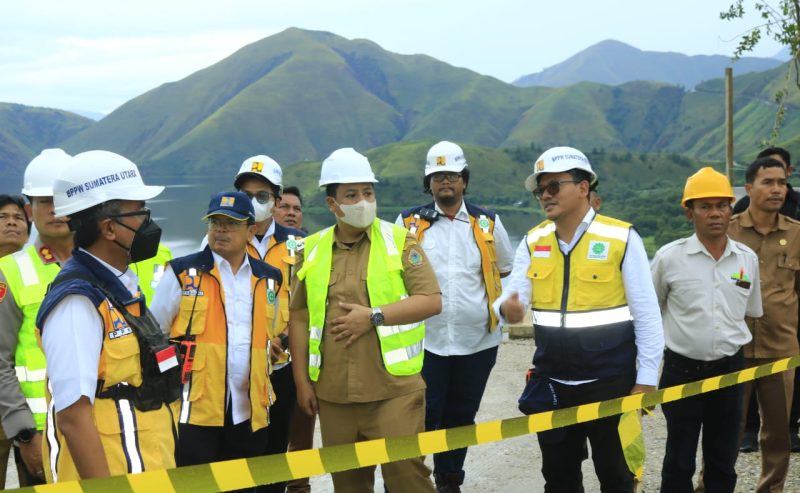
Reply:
x=236, y=205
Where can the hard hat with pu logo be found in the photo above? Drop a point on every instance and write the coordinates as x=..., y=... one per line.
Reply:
x=260, y=166
x=445, y=156
x=559, y=160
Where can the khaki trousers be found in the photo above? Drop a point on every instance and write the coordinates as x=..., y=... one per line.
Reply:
x=774, y=394
x=354, y=422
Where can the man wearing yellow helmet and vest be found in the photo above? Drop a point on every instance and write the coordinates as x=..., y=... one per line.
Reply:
x=469, y=250
x=706, y=284
x=24, y=277
x=596, y=317
x=357, y=334
x=111, y=373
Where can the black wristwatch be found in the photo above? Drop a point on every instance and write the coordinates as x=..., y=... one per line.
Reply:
x=24, y=436
x=284, y=340
x=376, y=319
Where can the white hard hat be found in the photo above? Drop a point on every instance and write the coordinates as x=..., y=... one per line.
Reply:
x=558, y=160
x=95, y=177
x=42, y=170
x=445, y=156
x=260, y=166
x=346, y=166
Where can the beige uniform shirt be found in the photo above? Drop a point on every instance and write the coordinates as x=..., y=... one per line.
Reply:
x=774, y=334
x=357, y=373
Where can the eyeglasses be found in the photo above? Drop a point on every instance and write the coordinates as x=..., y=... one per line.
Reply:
x=222, y=224
x=552, y=188
x=144, y=211
x=449, y=177
x=262, y=197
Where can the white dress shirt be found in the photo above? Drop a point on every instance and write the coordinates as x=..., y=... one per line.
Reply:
x=639, y=292
x=237, y=297
x=72, y=337
x=702, y=305
x=463, y=325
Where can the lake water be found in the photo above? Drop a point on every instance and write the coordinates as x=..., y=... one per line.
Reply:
x=179, y=211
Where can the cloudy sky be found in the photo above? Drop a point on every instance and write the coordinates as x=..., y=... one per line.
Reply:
x=92, y=55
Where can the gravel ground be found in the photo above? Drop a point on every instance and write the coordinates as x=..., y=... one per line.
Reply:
x=513, y=465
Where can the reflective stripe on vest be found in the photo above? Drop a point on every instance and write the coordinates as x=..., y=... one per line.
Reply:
x=580, y=320
x=28, y=276
x=401, y=345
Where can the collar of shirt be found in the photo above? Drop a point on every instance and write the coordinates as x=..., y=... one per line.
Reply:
x=46, y=253
x=129, y=279
x=461, y=214
x=746, y=221
x=267, y=235
x=224, y=264
x=582, y=227
x=694, y=245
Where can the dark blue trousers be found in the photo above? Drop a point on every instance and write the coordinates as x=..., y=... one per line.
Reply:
x=455, y=388
x=717, y=413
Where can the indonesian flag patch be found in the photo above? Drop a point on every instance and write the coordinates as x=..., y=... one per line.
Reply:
x=3, y=291
x=167, y=358
x=541, y=251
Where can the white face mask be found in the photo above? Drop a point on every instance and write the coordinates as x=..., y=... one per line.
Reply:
x=359, y=215
x=263, y=211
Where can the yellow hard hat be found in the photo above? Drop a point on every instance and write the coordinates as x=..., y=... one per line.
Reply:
x=707, y=183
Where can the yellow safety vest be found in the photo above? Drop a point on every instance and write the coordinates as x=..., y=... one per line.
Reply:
x=482, y=222
x=583, y=324
x=28, y=272
x=150, y=271
x=401, y=345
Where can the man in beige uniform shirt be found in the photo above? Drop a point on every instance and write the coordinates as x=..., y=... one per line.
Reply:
x=356, y=388
x=776, y=240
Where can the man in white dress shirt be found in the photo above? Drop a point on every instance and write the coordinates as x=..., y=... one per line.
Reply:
x=706, y=284
x=221, y=304
x=598, y=327
x=469, y=251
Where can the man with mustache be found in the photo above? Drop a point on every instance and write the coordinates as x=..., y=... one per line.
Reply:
x=24, y=277
x=776, y=240
x=706, y=285
x=469, y=250
x=14, y=224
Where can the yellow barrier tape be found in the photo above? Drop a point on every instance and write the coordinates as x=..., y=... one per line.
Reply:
x=227, y=475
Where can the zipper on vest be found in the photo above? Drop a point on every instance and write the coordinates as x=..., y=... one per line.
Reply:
x=565, y=288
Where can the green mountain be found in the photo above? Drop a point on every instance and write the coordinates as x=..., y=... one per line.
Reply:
x=298, y=95
x=613, y=62
x=26, y=130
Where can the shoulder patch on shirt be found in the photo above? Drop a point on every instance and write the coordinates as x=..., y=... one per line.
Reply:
x=414, y=257
x=3, y=291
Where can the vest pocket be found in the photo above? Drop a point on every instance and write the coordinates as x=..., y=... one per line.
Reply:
x=190, y=311
x=199, y=375
x=542, y=281
x=122, y=361
x=592, y=284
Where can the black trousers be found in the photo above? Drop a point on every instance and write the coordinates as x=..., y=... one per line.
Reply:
x=563, y=449
x=204, y=444
x=716, y=413
x=280, y=415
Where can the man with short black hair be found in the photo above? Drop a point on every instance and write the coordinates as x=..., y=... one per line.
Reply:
x=14, y=224
x=289, y=210
x=776, y=240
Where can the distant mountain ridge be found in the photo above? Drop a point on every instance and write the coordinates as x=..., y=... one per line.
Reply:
x=613, y=62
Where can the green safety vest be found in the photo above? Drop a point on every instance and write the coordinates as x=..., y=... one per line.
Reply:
x=28, y=278
x=150, y=271
x=401, y=345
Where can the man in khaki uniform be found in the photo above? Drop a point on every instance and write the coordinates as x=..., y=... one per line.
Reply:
x=776, y=240
x=347, y=318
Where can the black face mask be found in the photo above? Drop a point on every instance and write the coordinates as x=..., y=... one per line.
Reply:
x=145, y=241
